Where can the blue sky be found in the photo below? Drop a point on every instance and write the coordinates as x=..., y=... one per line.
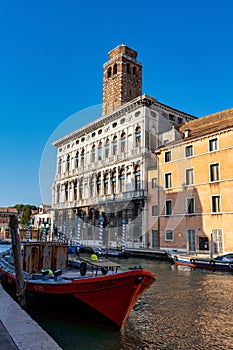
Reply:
x=51, y=67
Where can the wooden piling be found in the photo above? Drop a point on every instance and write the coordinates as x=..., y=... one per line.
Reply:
x=16, y=249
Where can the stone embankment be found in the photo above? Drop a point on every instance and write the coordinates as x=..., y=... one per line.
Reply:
x=18, y=331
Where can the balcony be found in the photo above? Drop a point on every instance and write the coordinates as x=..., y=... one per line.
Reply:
x=120, y=197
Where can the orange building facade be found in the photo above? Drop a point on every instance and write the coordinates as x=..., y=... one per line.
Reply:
x=191, y=190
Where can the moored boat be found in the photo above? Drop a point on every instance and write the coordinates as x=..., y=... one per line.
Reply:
x=113, y=253
x=105, y=287
x=221, y=262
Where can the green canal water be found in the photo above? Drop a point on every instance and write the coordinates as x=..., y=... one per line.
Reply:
x=185, y=309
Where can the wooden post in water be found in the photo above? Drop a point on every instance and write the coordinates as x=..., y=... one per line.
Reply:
x=14, y=226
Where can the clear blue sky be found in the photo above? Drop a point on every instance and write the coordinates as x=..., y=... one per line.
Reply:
x=51, y=66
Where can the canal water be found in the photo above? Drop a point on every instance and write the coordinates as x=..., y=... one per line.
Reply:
x=185, y=309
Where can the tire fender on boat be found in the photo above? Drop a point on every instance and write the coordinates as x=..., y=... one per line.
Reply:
x=3, y=278
x=212, y=262
x=192, y=261
x=104, y=270
x=231, y=266
x=83, y=268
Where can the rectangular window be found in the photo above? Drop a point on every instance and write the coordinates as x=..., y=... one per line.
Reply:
x=154, y=183
x=214, y=172
x=216, y=205
x=213, y=145
x=167, y=156
x=189, y=177
x=168, y=207
x=189, y=151
x=168, y=180
x=154, y=210
x=190, y=206
x=217, y=240
x=168, y=235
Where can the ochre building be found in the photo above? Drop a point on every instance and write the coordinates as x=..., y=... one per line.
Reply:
x=191, y=189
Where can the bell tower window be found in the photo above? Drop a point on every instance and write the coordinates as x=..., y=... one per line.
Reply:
x=109, y=72
x=115, y=68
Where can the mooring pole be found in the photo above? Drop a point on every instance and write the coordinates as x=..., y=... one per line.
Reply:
x=15, y=238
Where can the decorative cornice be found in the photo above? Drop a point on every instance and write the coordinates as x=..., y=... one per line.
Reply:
x=143, y=100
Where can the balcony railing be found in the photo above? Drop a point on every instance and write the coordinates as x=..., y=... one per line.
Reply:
x=125, y=196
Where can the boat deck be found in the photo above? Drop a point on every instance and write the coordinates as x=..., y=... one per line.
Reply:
x=101, y=263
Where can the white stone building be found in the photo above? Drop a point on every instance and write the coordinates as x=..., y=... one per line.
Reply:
x=102, y=168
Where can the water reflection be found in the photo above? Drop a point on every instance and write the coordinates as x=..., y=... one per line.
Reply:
x=186, y=309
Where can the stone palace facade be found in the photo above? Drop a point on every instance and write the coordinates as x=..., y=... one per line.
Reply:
x=102, y=168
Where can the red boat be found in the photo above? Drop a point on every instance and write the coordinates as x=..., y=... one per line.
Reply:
x=101, y=284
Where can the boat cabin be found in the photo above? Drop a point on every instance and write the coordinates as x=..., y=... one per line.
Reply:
x=39, y=256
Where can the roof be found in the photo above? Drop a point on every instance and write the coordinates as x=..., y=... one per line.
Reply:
x=208, y=124
x=9, y=210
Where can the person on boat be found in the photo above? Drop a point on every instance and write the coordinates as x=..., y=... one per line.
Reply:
x=94, y=257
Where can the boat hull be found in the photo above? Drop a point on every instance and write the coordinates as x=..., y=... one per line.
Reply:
x=111, y=295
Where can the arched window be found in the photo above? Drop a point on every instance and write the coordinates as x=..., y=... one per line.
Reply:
x=123, y=142
x=137, y=178
x=115, y=68
x=77, y=159
x=134, y=71
x=106, y=183
x=128, y=68
x=92, y=186
x=58, y=193
x=68, y=163
x=109, y=72
x=114, y=182
x=138, y=137
x=82, y=157
x=107, y=149
x=114, y=146
x=93, y=154
x=100, y=151
x=66, y=191
x=98, y=184
x=122, y=180
x=59, y=166
x=81, y=189
x=75, y=190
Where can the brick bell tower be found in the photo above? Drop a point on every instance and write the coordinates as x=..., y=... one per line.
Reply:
x=122, y=78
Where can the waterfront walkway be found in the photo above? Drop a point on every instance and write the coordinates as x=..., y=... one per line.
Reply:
x=18, y=331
